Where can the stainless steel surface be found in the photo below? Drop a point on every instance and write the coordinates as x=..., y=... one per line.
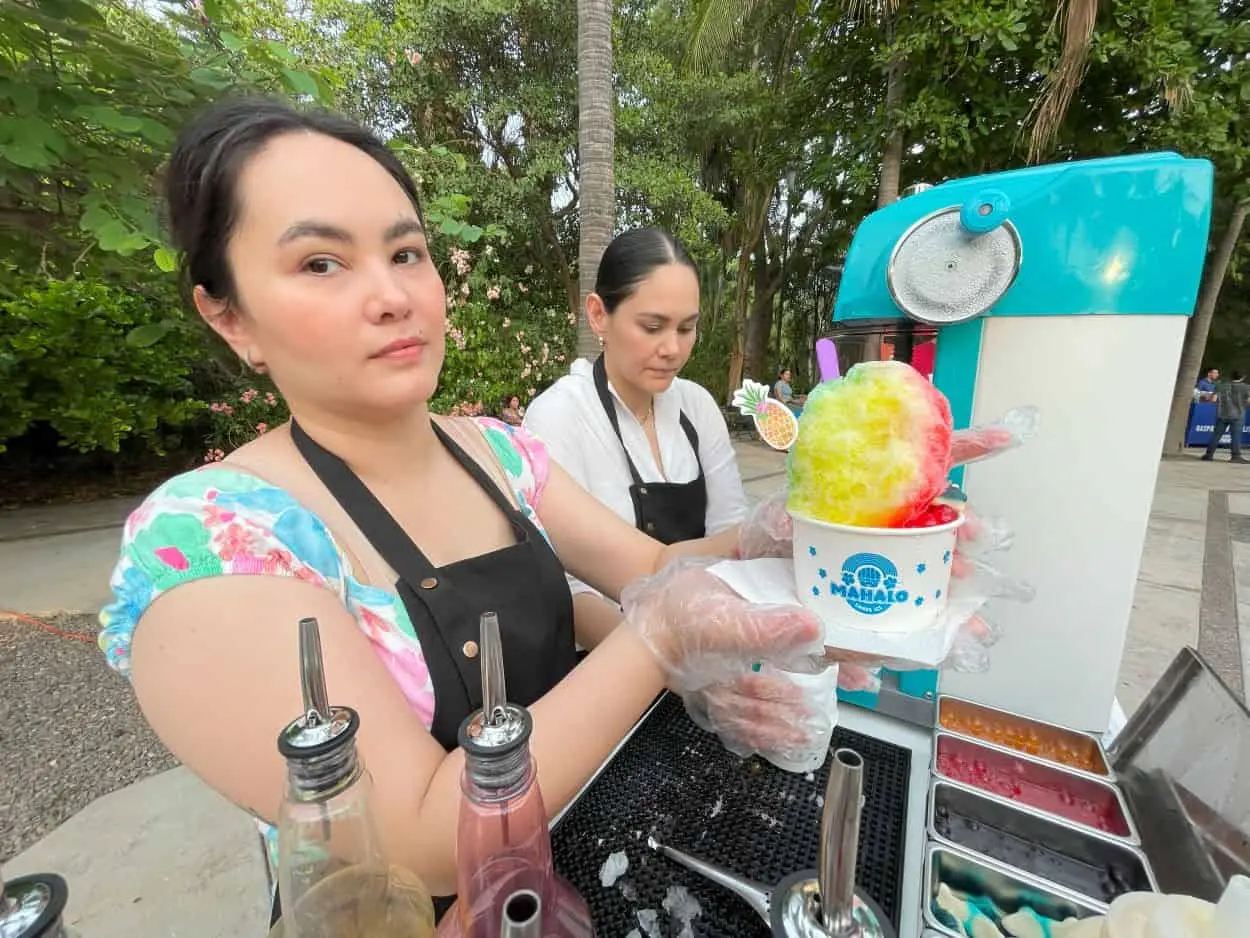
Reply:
x=797, y=907
x=939, y=272
x=312, y=673
x=1183, y=760
x=839, y=841
x=494, y=691
x=1010, y=890
x=522, y=915
x=1084, y=742
x=758, y=897
x=1041, y=774
x=1083, y=846
x=893, y=703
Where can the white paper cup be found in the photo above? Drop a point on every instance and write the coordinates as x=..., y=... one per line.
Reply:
x=892, y=580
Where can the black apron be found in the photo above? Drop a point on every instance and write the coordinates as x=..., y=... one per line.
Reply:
x=524, y=583
x=667, y=511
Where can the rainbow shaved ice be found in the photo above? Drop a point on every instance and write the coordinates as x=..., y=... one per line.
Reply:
x=873, y=450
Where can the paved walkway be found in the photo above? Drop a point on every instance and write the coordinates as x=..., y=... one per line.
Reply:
x=168, y=857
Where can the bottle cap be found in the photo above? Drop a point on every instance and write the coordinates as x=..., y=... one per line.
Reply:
x=31, y=906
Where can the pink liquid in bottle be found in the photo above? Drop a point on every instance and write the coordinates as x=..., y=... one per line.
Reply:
x=503, y=846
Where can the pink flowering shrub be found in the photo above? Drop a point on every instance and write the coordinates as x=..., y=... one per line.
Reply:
x=508, y=326
x=504, y=336
x=240, y=417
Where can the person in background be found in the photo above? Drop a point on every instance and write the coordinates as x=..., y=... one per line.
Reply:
x=513, y=413
x=650, y=445
x=1206, y=387
x=784, y=392
x=1231, y=400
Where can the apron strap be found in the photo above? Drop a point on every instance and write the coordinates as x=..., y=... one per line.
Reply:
x=693, y=437
x=609, y=407
x=376, y=523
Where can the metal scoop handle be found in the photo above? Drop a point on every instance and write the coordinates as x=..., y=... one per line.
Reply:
x=756, y=896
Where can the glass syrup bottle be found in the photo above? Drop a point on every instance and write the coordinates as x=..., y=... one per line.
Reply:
x=506, y=883
x=332, y=880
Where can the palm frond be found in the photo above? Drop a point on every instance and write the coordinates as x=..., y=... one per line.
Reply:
x=1048, y=111
x=861, y=11
x=718, y=25
x=1177, y=92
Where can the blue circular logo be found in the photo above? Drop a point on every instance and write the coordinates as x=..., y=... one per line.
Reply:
x=869, y=584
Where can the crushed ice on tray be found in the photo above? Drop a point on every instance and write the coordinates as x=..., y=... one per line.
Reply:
x=719, y=806
x=768, y=819
x=613, y=868
x=628, y=891
x=683, y=907
x=649, y=919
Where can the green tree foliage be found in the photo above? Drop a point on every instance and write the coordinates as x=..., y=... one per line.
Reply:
x=98, y=363
x=92, y=97
x=762, y=163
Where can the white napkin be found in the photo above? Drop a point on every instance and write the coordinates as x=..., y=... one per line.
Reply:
x=770, y=581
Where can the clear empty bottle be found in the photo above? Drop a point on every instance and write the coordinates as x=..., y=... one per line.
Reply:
x=506, y=883
x=332, y=880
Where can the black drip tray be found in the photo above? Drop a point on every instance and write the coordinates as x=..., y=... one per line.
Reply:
x=676, y=782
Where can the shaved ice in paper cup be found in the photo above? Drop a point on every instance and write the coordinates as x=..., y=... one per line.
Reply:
x=875, y=579
x=873, y=542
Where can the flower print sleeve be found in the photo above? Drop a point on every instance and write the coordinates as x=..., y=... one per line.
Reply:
x=523, y=457
x=206, y=523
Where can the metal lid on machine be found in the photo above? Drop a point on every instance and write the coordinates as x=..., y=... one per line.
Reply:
x=1183, y=762
x=955, y=263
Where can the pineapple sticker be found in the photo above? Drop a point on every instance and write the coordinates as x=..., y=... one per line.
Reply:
x=774, y=422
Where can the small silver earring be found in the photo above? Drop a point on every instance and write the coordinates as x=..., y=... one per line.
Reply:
x=600, y=338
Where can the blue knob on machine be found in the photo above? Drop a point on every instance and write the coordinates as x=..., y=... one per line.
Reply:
x=985, y=211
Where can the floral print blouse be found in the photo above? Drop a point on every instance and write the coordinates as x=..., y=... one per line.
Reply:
x=217, y=521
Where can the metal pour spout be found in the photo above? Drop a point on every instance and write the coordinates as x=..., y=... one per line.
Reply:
x=839, y=842
x=522, y=915
x=494, y=689
x=312, y=672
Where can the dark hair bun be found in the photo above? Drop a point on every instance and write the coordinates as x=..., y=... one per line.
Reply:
x=631, y=258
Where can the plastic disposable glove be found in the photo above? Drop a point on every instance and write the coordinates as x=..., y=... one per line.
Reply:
x=704, y=633
x=771, y=712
